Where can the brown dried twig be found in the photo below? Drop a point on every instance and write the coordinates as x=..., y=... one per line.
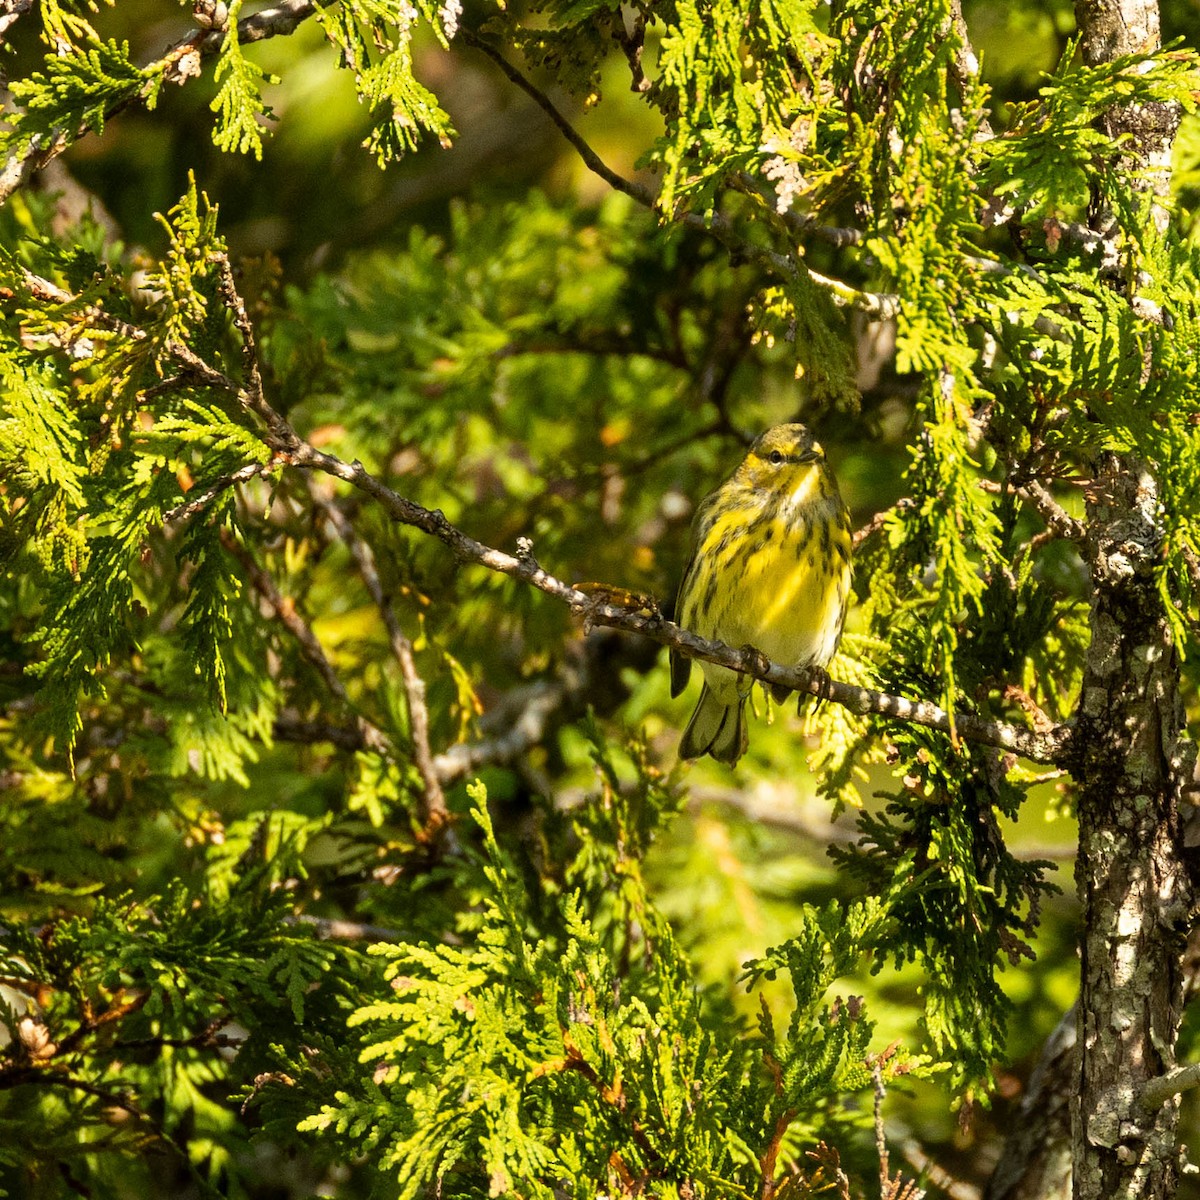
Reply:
x=891, y=1187
x=770, y=1155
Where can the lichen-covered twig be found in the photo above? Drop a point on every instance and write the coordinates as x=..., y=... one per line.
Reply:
x=1049, y=746
x=199, y=502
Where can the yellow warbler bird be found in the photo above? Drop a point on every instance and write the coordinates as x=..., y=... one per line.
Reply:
x=770, y=568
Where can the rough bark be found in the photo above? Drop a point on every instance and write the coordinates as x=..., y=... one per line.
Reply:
x=1082, y=1119
x=1109, y=29
x=1036, y=1161
x=1133, y=762
x=1132, y=765
x=1131, y=875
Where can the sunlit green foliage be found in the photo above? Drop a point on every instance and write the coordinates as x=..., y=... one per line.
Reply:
x=207, y=740
x=76, y=89
x=239, y=104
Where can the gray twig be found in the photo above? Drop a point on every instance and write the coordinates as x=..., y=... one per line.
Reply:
x=1058, y=521
x=334, y=929
x=1048, y=746
x=1038, y=496
x=199, y=502
x=891, y=1187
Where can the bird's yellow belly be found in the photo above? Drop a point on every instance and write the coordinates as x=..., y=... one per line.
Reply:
x=787, y=599
x=792, y=609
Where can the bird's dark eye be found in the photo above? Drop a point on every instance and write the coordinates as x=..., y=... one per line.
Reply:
x=775, y=458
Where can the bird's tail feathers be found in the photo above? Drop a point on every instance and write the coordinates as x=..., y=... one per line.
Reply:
x=716, y=728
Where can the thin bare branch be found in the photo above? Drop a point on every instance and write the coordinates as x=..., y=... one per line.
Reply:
x=193, y=365
x=881, y=1149
x=1050, y=746
x=593, y=161
x=783, y=807
x=435, y=812
x=891, y=1187
x=632, y=40
x=1058, y=521
x=199, y=502
x=1038, y=496
x=12, y=1077
x=544, y=708
x=334, y=929
x=278, y=20
x=917, y=1158
x=251, y=393
x=524, y=718
x=289, y=728
x=881, y=306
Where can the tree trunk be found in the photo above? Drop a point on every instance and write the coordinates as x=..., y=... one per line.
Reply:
x=1130, y=873
x=1131, y=876
x=1036, y=1161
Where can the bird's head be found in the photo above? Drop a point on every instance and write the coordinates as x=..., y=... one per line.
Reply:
x=782, y=459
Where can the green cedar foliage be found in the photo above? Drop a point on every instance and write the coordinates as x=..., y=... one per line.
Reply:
x=524, y=1059
x=139, y=1018
x=75, y=90
x=182, y=779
